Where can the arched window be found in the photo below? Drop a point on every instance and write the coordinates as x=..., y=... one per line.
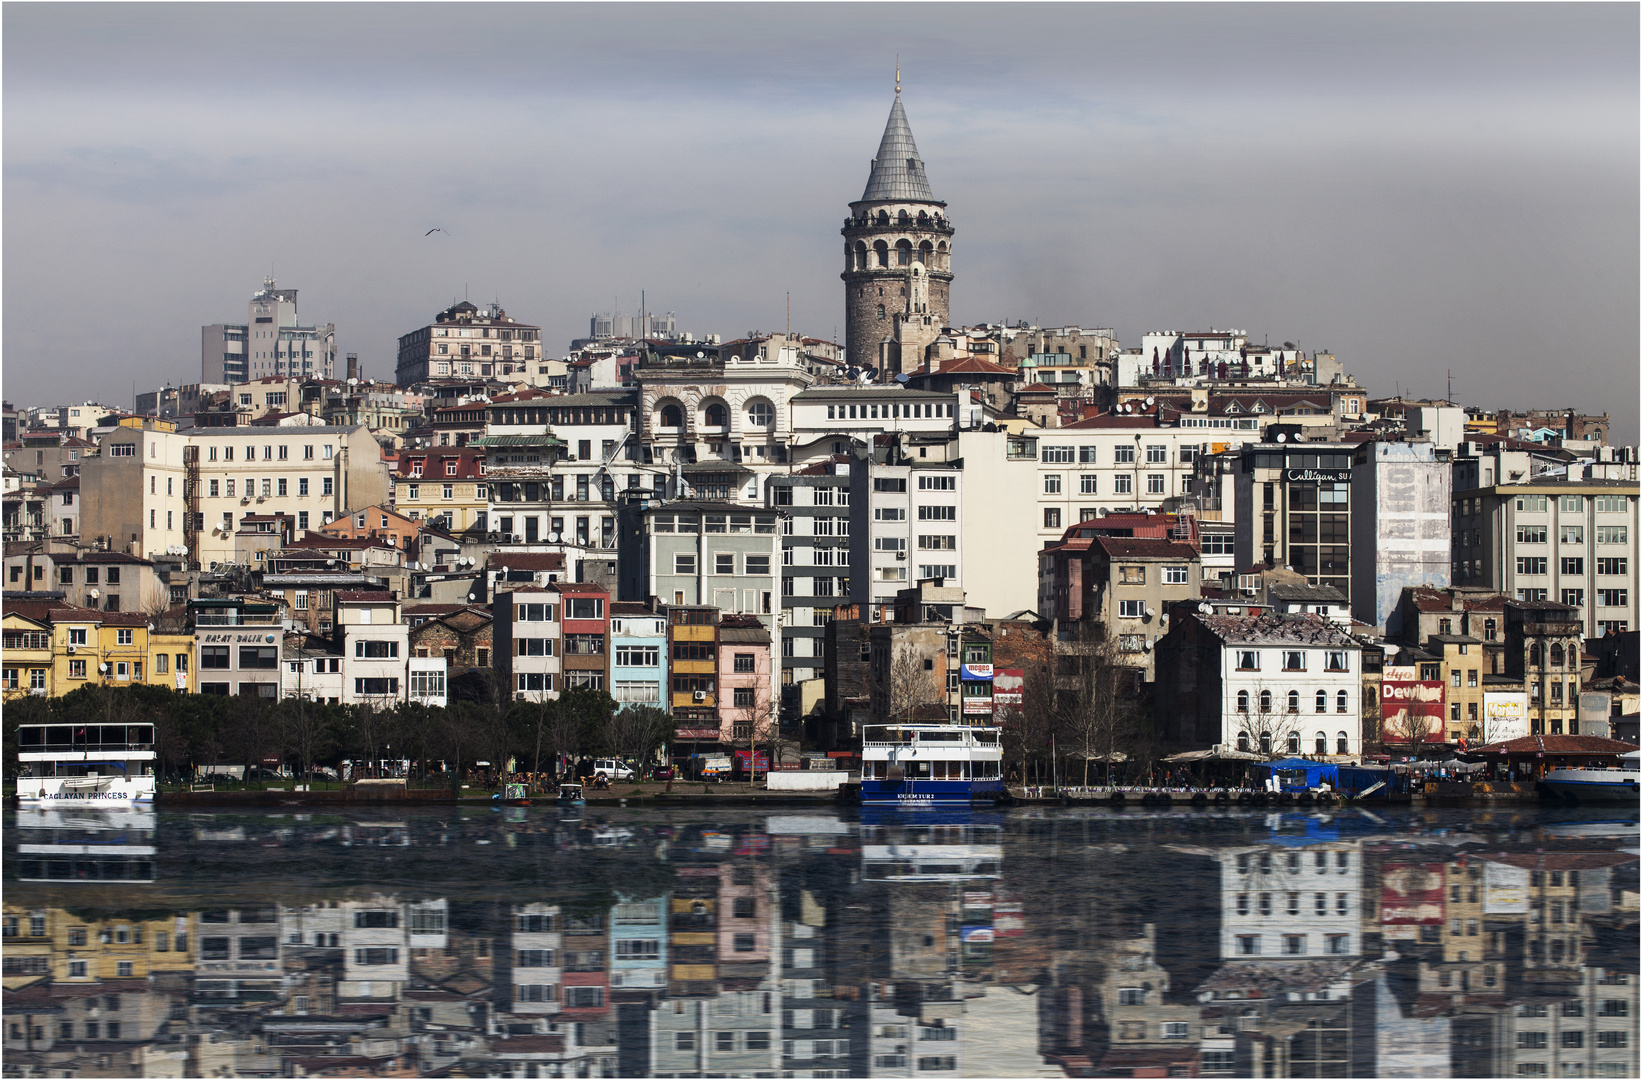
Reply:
x=860, y=255
x=1321, y=742
x=760, y=414
x=717, y=415
x=1343, y=743
x=1558, y=655
x=1534, y=657
x=924, y=253
x=880, y=311
x=904, y=218
x=1572, y=656
x=883, y=217
x=672, y=416
x=1370, y=696
x=1265, y=744
x=1293, y=701
x=923, y=219
x=882, y=250
x=1293, y=742
x=1242, y=741
x=1341, y=702
x=903, y=253
x=1321, y=701
x=1264, y=701
x=1242, y=701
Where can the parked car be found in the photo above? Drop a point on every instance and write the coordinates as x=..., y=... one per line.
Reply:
x=664, y=772
x=613, y=769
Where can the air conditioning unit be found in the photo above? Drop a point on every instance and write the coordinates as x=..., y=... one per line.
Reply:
x=72, y=649
x=901, y=555
x=515, y=538
x=495, y=536
x=700, y=695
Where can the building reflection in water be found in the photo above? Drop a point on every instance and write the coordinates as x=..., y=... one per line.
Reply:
x=526, y=943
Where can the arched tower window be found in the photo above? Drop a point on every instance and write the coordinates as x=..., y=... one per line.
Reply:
x=904, y=218
x=672, y=416
x=924, y=252
x=880, y=311
x=1534, y=656
x=1558, y=655
x=860, y=254
x=882, y=250
x=922, y=218
x=883, y=217
x=1572, y=656
x=716, y=415
x=903, y=253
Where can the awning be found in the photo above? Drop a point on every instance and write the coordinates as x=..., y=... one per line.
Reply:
x=1190, y=756
x=501, y=441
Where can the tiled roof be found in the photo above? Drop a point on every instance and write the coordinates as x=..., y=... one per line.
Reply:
x=1270, y=629
x=1556, y=744
x=1144, y=547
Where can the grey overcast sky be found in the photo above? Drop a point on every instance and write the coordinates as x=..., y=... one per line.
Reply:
x=1420, y=188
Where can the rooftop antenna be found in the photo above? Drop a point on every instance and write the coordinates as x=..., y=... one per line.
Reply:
x=789, y=314
x=897, y=74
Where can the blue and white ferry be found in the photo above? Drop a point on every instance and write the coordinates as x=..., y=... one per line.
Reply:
x=912, y=765
x=70, y=765
x=1599, y=784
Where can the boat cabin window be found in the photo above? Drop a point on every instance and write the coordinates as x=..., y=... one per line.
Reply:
x=44, y=737
x=940, y=736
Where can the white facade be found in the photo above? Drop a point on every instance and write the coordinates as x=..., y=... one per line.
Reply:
x=908, y=525
x=1304, y=697
x=1291, y=903
x=529, y=637
x=537, y=945
x=375, y=646
x=375, y=956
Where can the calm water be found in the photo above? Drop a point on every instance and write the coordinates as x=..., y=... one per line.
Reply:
x=533, y=942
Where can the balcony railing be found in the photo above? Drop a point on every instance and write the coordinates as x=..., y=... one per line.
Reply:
x=236, y=619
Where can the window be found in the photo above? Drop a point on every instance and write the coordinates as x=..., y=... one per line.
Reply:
x=1088, y=484
x=1293, y=660
x=1176, y=575
x=1612, y=597
x=1612, y=534
x=1123, y=455
x=1051, y=483
x=1532, y=534
x=1051, y=517
x=1247, y=660
x=376, y=687
x=723, y=563
x=1612, y=566
x=889, y=484
x=1572, y=565
x=375, y=957
x=1532, y=565
x=683, y=564
x=1122, y=485
x=1131, y=609
x=935, y=483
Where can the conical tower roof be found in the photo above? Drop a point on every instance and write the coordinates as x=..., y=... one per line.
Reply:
x=897, y=171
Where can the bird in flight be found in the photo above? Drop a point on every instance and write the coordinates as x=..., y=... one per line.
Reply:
x=430, y=232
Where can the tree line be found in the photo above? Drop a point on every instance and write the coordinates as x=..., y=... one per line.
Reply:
x=193, y=730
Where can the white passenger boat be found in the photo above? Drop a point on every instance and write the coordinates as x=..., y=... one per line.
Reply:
x=69, y=841
x=930, y=764
x=85, y=764
x=1622, y=784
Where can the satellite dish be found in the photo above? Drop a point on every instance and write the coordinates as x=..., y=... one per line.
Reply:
x=103, y=668
x=1150, y=401
x=552, y=538
x=852, y=372
x=1281, y=437
x=93, y=593
x=902, y=378
x=700, y=356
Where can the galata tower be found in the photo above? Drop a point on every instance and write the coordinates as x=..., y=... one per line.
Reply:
x=897, y=257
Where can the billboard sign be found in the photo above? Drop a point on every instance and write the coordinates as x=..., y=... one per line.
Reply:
x=977, y=706
x=1504, y=716
x=1008, y=686
x=1413, y=709
x=976, y=671
x=1504, y=889
x=1413, y=895
x=743, y=759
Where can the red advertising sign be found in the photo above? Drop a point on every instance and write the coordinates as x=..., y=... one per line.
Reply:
x=1414, y=710
x=1008, y=687
x=1413, y=894
x=743, y=758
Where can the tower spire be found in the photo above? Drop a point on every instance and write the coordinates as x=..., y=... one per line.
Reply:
x=897, y=74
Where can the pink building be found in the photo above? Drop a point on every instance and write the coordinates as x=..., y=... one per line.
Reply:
x=748, y=703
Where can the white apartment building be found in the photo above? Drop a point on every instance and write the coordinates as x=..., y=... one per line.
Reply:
x=1291, y=903
x=463, y=342
x=907, y=525
x=537, y=959
x=375, y=646
x=1041, y=481
x=529, y=642
x=375, y=956
x=816, y=559
x=1567, y=536
x=1267, y=684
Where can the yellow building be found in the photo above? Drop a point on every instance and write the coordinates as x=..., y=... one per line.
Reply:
x=1462, y=667
x=168, y=664
x=52, y=649
x=27, y=661
x=50, y=941
x=443, y=484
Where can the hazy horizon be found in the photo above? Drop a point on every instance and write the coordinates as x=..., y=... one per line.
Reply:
x=1418, y=188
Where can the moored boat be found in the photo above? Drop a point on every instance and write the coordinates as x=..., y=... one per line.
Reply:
x=1621, y=784
x=930, y=765
x=85, y=764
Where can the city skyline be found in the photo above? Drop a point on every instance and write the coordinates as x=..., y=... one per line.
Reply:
x=1479, y=218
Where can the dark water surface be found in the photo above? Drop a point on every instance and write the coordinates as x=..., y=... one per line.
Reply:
x=532, y=942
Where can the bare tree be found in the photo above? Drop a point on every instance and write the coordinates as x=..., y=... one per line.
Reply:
x=908, y=688
x=1265, y=726
x=636, y=731
x=1095, y=709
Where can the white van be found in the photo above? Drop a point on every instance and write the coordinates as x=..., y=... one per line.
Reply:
x=613, y=769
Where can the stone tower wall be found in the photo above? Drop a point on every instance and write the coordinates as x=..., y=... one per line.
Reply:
x=874, y=276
